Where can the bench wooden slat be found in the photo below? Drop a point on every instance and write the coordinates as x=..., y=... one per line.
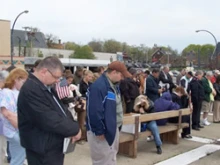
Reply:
x=125, y=137
x=163, y=129
x=163, y=115
x=155, y=116
x=128, y=120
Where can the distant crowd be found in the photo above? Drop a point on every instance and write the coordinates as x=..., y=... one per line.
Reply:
x=42, y=107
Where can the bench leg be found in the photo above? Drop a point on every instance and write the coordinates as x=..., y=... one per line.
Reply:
x=128, y=148
x=171, y=137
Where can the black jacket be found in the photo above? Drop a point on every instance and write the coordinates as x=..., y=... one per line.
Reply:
x=217, y=89
x=182, y=101
x=129, y=89
x=152, y=88
x=196, y=89
x=169, y=80
x=41, y=122
x=83, y=88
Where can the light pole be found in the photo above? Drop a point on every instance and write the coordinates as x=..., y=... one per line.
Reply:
x=19, y=46
x=12, y=32
x=216, y=42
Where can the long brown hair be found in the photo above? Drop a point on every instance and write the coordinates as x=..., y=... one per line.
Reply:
x=16, y=73
x=180, y=89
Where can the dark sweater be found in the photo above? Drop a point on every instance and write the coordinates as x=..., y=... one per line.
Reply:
x=217, y=89
x=83, y=87
x=207, y=89
x=129, y=89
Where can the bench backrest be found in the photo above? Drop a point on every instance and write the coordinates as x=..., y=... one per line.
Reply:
x=135, y=120
x=156, y=116
x=164, y=115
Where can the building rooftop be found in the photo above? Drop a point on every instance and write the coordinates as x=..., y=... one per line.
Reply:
x=37, y=38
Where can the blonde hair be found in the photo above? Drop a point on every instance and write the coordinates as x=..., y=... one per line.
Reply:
x=139, y=100
x=96, y=76
x=16, y=73
x=87, y=72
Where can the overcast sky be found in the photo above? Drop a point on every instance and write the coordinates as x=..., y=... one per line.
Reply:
x=149, y=22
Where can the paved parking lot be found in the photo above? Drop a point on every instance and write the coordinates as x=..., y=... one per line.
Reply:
x=147, y=151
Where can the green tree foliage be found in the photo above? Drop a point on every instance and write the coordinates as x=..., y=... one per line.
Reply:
x=136, y=53
x=205, y=51
x=112, y=46
x=71, y=46
x=96, y=45
x=140, y=53
x=39, y=53
x=126, y=48
x=83, y=52
x=170, y=50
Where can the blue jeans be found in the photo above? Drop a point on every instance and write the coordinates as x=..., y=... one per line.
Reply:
x=152, y=126
x=16, y=150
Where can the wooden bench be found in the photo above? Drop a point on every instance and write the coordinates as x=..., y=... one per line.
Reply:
x=169, y=132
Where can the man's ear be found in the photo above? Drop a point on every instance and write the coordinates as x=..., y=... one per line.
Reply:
x=43, y=70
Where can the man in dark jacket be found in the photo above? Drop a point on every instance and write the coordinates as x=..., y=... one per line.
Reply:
x=130, y=90
x=105, y=114
x=153, y=90
x=165, y=79
x=43, y=120
x=195, y=89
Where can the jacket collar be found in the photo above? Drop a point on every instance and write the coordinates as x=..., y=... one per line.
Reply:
x=104, y=76
x=151, y=76
x=37, y=81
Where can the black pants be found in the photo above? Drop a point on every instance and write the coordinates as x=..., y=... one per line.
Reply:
x=8, y=153
x=185, y=119
x=53, y=157
x=187, y=130
x=130, y=106
x=196, y=113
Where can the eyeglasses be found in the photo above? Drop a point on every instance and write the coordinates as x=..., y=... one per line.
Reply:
x=56, y=77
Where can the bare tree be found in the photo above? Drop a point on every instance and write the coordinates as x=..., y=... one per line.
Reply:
x=51, y=38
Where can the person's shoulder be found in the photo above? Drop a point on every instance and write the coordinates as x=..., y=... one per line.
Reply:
x=204, y=79
x=100, y=83
x=32, y=86
x=161, y=74
x=150, y=77
x=6, y=91
x=97, y=85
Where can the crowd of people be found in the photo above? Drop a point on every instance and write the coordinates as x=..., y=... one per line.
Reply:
x=40, y=108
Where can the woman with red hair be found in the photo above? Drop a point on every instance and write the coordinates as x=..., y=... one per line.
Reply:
x=8, y=105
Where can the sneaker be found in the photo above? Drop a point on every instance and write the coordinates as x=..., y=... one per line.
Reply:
x=186, y=136
x=150, y=138
x=25, y=162
x=205, y=122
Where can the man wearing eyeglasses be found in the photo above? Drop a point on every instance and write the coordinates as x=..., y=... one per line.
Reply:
x=43, y=120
